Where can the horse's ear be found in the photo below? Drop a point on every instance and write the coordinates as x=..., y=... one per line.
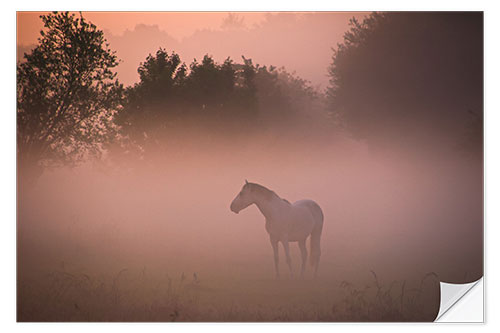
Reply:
x=246, y=181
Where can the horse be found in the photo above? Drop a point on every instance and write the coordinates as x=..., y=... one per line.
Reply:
x=285, y=222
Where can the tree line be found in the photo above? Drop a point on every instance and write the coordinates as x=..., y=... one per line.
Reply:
x=411, y=78
x=226, y=97
x=396, y=79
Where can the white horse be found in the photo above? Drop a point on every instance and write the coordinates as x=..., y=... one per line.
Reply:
x=285, y=222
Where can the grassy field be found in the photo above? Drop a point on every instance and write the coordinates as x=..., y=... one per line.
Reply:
x=138, y=296
x=93, y=247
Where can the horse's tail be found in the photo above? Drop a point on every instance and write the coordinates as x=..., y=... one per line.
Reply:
x=316, y=233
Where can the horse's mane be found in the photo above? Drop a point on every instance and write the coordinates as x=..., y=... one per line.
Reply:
x=265, y=192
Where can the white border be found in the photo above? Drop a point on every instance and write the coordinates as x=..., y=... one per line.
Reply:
x=7, y=140
x=258, y=5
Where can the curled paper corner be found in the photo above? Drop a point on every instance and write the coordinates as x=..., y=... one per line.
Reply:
x=461, y=303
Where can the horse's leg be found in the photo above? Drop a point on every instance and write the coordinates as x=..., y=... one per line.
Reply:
x=303, y=252
x=287, y=254
x=274, y=243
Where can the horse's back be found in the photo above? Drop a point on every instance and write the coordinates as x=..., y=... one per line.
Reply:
x=313, y=208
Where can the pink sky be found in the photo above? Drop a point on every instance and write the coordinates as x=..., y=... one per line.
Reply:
x=178, y=24
x=301, y=42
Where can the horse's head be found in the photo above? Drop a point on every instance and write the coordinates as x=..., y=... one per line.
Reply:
x=244, y=199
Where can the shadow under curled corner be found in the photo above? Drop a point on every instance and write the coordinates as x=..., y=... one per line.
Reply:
x=461, y=303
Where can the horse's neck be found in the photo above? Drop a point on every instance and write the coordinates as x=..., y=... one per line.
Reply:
x=270, y=207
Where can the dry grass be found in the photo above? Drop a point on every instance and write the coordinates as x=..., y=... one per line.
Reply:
x=394, y=302
x=136, y=296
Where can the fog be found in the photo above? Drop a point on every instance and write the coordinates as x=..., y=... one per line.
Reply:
x=140, y=229
x=399, y=214
x=300, y=42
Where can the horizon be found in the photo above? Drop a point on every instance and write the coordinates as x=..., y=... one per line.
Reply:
x=194, y=34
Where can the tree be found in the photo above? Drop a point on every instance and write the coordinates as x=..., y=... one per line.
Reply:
x=287, y=102
x=219, y=99
x=171, y=96
x=67, y=95
x=409, y=79
x=149, y=102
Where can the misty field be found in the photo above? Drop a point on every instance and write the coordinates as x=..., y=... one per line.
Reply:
x=159, y=243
